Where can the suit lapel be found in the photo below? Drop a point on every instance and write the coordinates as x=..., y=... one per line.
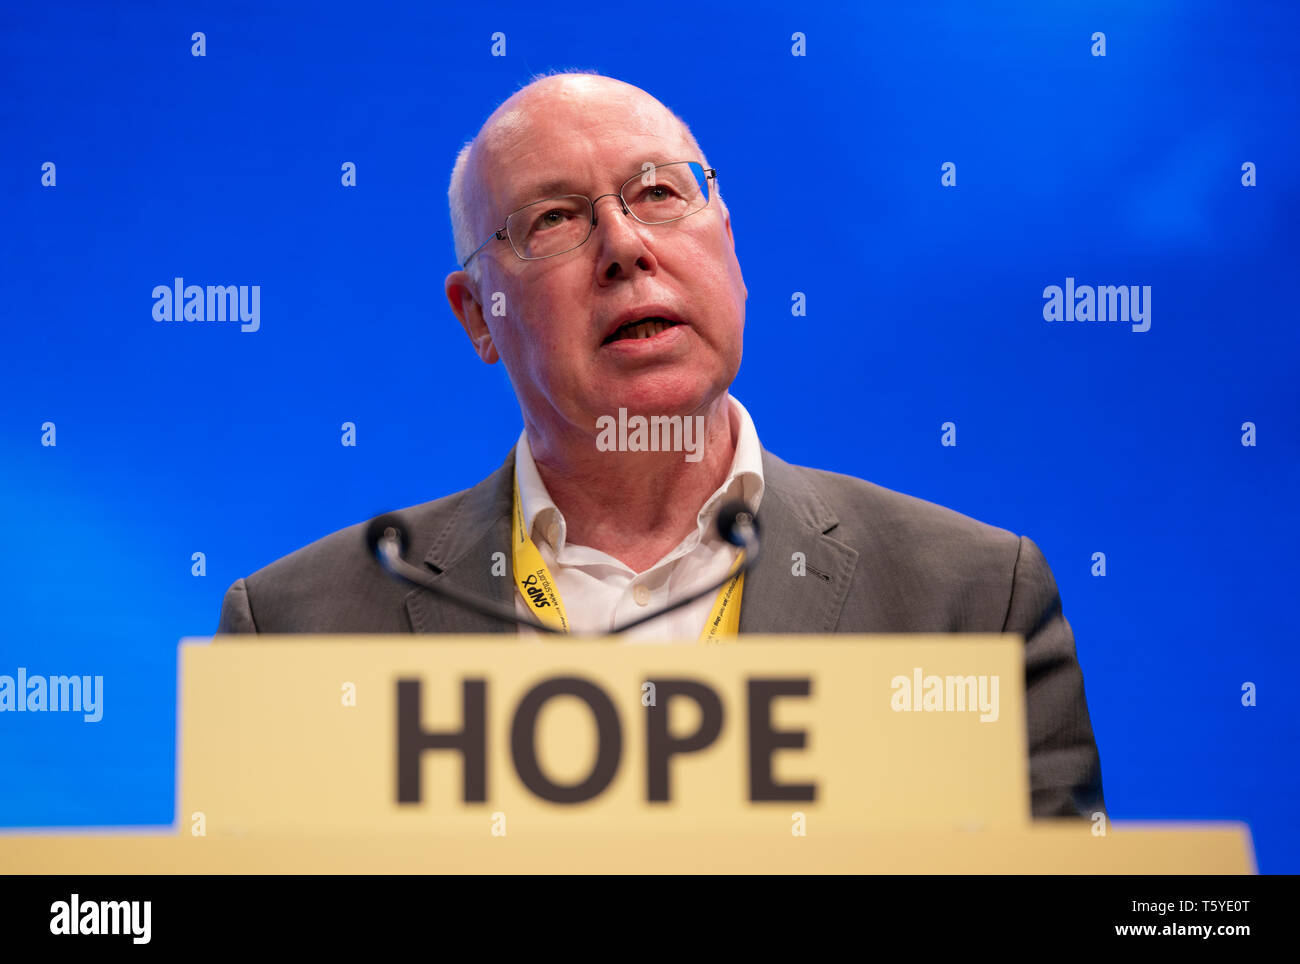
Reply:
x=462, y=553
x=794, y=518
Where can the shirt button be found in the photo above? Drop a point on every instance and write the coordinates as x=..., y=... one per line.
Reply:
x=553, y=533
x=641, y=594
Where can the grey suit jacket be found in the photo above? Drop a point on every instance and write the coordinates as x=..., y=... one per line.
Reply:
x=878, y=561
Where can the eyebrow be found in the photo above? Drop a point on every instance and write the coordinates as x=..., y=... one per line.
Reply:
x=553, y=187
x=540, y=191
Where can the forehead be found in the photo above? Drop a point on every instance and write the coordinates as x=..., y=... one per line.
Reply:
x=574, y=139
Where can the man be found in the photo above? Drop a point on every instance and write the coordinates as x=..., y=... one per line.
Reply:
x=598, y=264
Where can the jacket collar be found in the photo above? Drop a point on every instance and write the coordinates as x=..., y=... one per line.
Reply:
x=795, y=521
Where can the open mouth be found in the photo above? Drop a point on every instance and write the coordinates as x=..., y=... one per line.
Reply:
x=641, y=328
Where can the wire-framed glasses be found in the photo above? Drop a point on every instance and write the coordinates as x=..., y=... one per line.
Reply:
x=660, y=194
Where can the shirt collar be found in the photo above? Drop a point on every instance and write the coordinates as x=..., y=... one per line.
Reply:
x=744, y=481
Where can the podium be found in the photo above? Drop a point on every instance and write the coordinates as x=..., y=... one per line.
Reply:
x=429, y=754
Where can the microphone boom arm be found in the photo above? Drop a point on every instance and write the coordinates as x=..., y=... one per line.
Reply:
x=385, y=537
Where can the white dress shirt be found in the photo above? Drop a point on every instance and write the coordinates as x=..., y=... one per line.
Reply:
x=600, y=592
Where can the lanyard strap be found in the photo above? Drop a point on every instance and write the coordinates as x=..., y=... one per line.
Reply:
x=537, y=586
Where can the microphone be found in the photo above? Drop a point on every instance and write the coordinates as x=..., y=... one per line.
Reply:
x=737, y=525
x=386, y=539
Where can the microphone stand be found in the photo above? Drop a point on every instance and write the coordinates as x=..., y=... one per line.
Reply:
x=386, y=538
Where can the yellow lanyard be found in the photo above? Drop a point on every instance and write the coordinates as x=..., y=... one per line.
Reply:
x=538, y=588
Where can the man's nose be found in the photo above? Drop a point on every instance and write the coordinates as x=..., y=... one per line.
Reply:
x=622, y=242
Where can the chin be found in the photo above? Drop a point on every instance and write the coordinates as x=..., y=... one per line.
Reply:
x=653, y=394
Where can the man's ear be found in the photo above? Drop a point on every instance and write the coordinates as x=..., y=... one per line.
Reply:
x=469, y=312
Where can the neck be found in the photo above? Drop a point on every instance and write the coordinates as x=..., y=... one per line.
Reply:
x=635, y=506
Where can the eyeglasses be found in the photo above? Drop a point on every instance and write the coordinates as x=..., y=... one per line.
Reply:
x=658, y=195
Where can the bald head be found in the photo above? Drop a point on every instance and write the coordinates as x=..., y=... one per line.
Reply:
x=518, y=135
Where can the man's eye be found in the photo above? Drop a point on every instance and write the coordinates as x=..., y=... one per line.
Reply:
x=551, y=219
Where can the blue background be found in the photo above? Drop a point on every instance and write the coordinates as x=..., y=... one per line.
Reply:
x=924, y=305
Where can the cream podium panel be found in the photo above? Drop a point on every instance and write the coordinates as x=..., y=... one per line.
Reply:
x=479, y=736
